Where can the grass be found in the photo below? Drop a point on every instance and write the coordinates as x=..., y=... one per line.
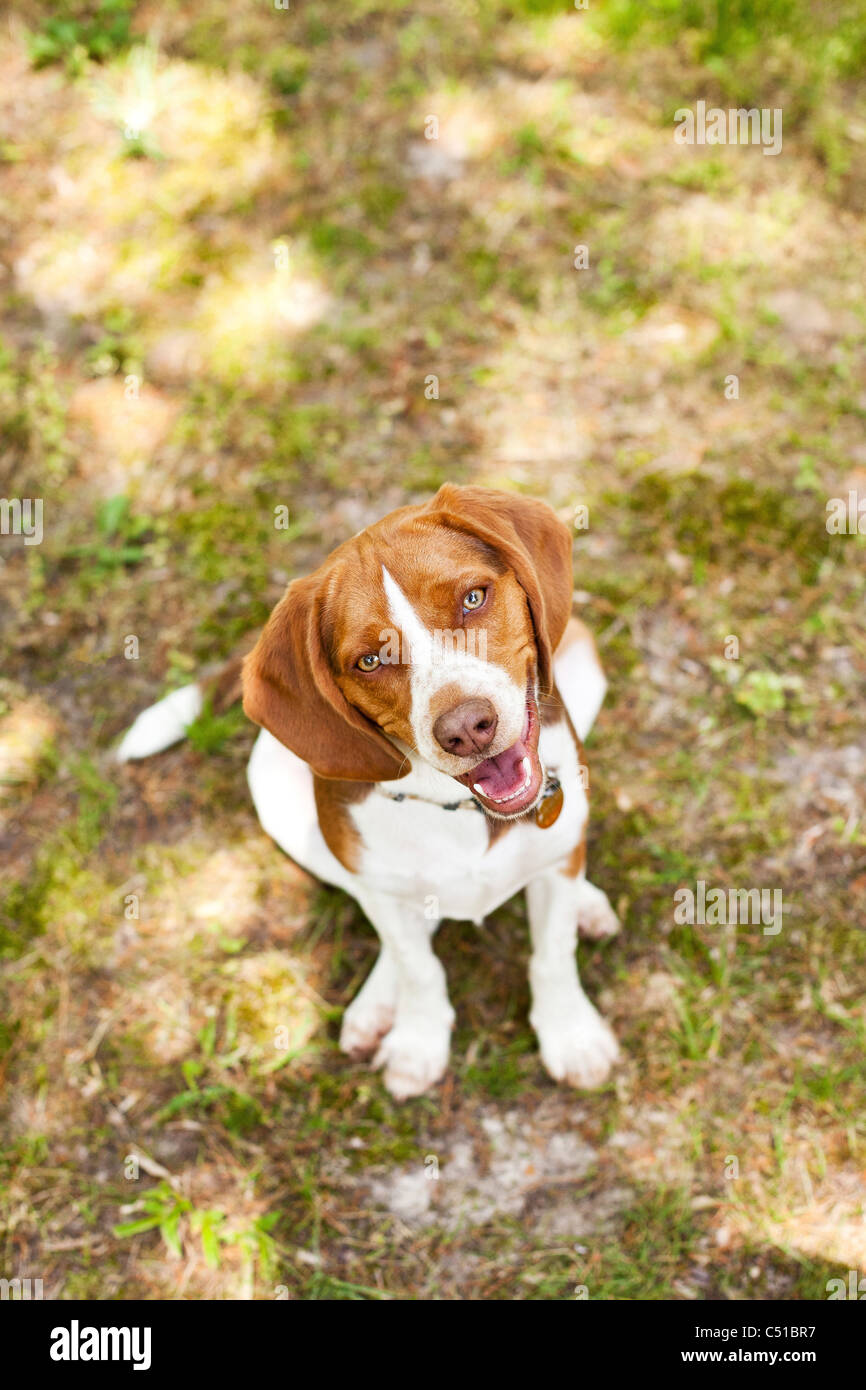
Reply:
x=78, y=31
x=224, y=316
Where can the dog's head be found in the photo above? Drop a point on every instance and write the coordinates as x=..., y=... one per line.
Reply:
x=433, y=631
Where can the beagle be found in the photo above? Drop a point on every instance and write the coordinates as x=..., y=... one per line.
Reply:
x=422, y=697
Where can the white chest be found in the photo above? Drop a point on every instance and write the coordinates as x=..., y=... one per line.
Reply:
x=443, y=860
x=440, y=860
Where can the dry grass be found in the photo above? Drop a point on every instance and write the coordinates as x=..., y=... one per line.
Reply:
x=172, y=984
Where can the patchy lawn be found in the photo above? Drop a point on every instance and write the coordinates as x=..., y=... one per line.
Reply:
x=237, y=277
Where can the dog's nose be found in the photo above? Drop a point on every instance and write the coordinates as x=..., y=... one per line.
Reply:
x=468, y=728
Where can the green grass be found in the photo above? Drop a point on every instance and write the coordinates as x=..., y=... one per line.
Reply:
x=604, y=387
x=82, y=29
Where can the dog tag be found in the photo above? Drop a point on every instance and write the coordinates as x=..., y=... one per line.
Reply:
x=549, y=806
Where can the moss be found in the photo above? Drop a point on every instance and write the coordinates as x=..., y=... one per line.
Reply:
x=709, y=520
x=334, y=242
x=381, y=201
x=504, y=1071
x=60, y=884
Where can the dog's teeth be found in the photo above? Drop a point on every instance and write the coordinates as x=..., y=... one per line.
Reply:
x=526, y=766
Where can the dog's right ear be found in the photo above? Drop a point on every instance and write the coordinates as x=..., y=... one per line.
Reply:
x=290, y=690
x=534, y=543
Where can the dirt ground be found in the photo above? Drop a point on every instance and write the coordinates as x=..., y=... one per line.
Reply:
x=322, y=260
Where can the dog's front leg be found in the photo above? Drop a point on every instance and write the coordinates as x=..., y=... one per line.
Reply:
x=371, y=1012
x=576, y=1044
x=414, y=1052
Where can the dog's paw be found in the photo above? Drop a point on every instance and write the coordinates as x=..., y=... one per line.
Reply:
x=596, y=919
x=578, y=1048
x=415, y=1057
x=365, y=1023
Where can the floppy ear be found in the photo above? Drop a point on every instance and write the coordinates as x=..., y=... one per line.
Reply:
x=289, y=690
x=533, y=542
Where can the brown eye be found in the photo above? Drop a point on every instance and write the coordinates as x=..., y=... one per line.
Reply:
x=368, y=662
x=473, y=599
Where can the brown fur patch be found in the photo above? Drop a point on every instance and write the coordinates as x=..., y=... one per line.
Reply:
x=576, y=861
x=551, y=710
x=224, y=688
x=333, y=800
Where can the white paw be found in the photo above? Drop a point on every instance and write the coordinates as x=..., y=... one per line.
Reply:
x=577, y=1047
x=415, y=1056
x=596, y=918
x=365, y=1022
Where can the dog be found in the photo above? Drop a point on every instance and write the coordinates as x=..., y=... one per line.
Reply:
x=422, y=699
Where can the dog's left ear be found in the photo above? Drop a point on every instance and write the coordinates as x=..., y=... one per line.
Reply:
x=290, y=690
x=535, y=544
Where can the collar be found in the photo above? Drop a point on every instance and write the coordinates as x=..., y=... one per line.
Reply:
x=470, y=803
x=552, y=787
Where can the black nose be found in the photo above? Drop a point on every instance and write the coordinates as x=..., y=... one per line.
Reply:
x=468, y=728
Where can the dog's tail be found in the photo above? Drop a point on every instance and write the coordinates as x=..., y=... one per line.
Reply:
x=166, y=722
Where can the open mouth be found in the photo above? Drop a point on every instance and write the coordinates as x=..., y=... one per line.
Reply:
x=510, y=784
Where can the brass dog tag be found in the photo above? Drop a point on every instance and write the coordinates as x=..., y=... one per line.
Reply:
x=549, y=806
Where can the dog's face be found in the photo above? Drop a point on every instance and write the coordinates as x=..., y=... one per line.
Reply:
x=436, y=647
x=430, y=631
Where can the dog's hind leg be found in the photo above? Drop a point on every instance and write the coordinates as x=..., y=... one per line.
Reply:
x=576, y=1044
x=580, y=679
x=596, y=919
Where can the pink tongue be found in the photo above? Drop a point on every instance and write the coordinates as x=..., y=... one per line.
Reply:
x=498, y=777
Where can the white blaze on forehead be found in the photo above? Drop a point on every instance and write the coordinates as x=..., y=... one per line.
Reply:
x=434, y=663
x=416, y=635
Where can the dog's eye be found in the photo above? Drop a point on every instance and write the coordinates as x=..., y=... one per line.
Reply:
x=473, y=599
x=368, y=662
